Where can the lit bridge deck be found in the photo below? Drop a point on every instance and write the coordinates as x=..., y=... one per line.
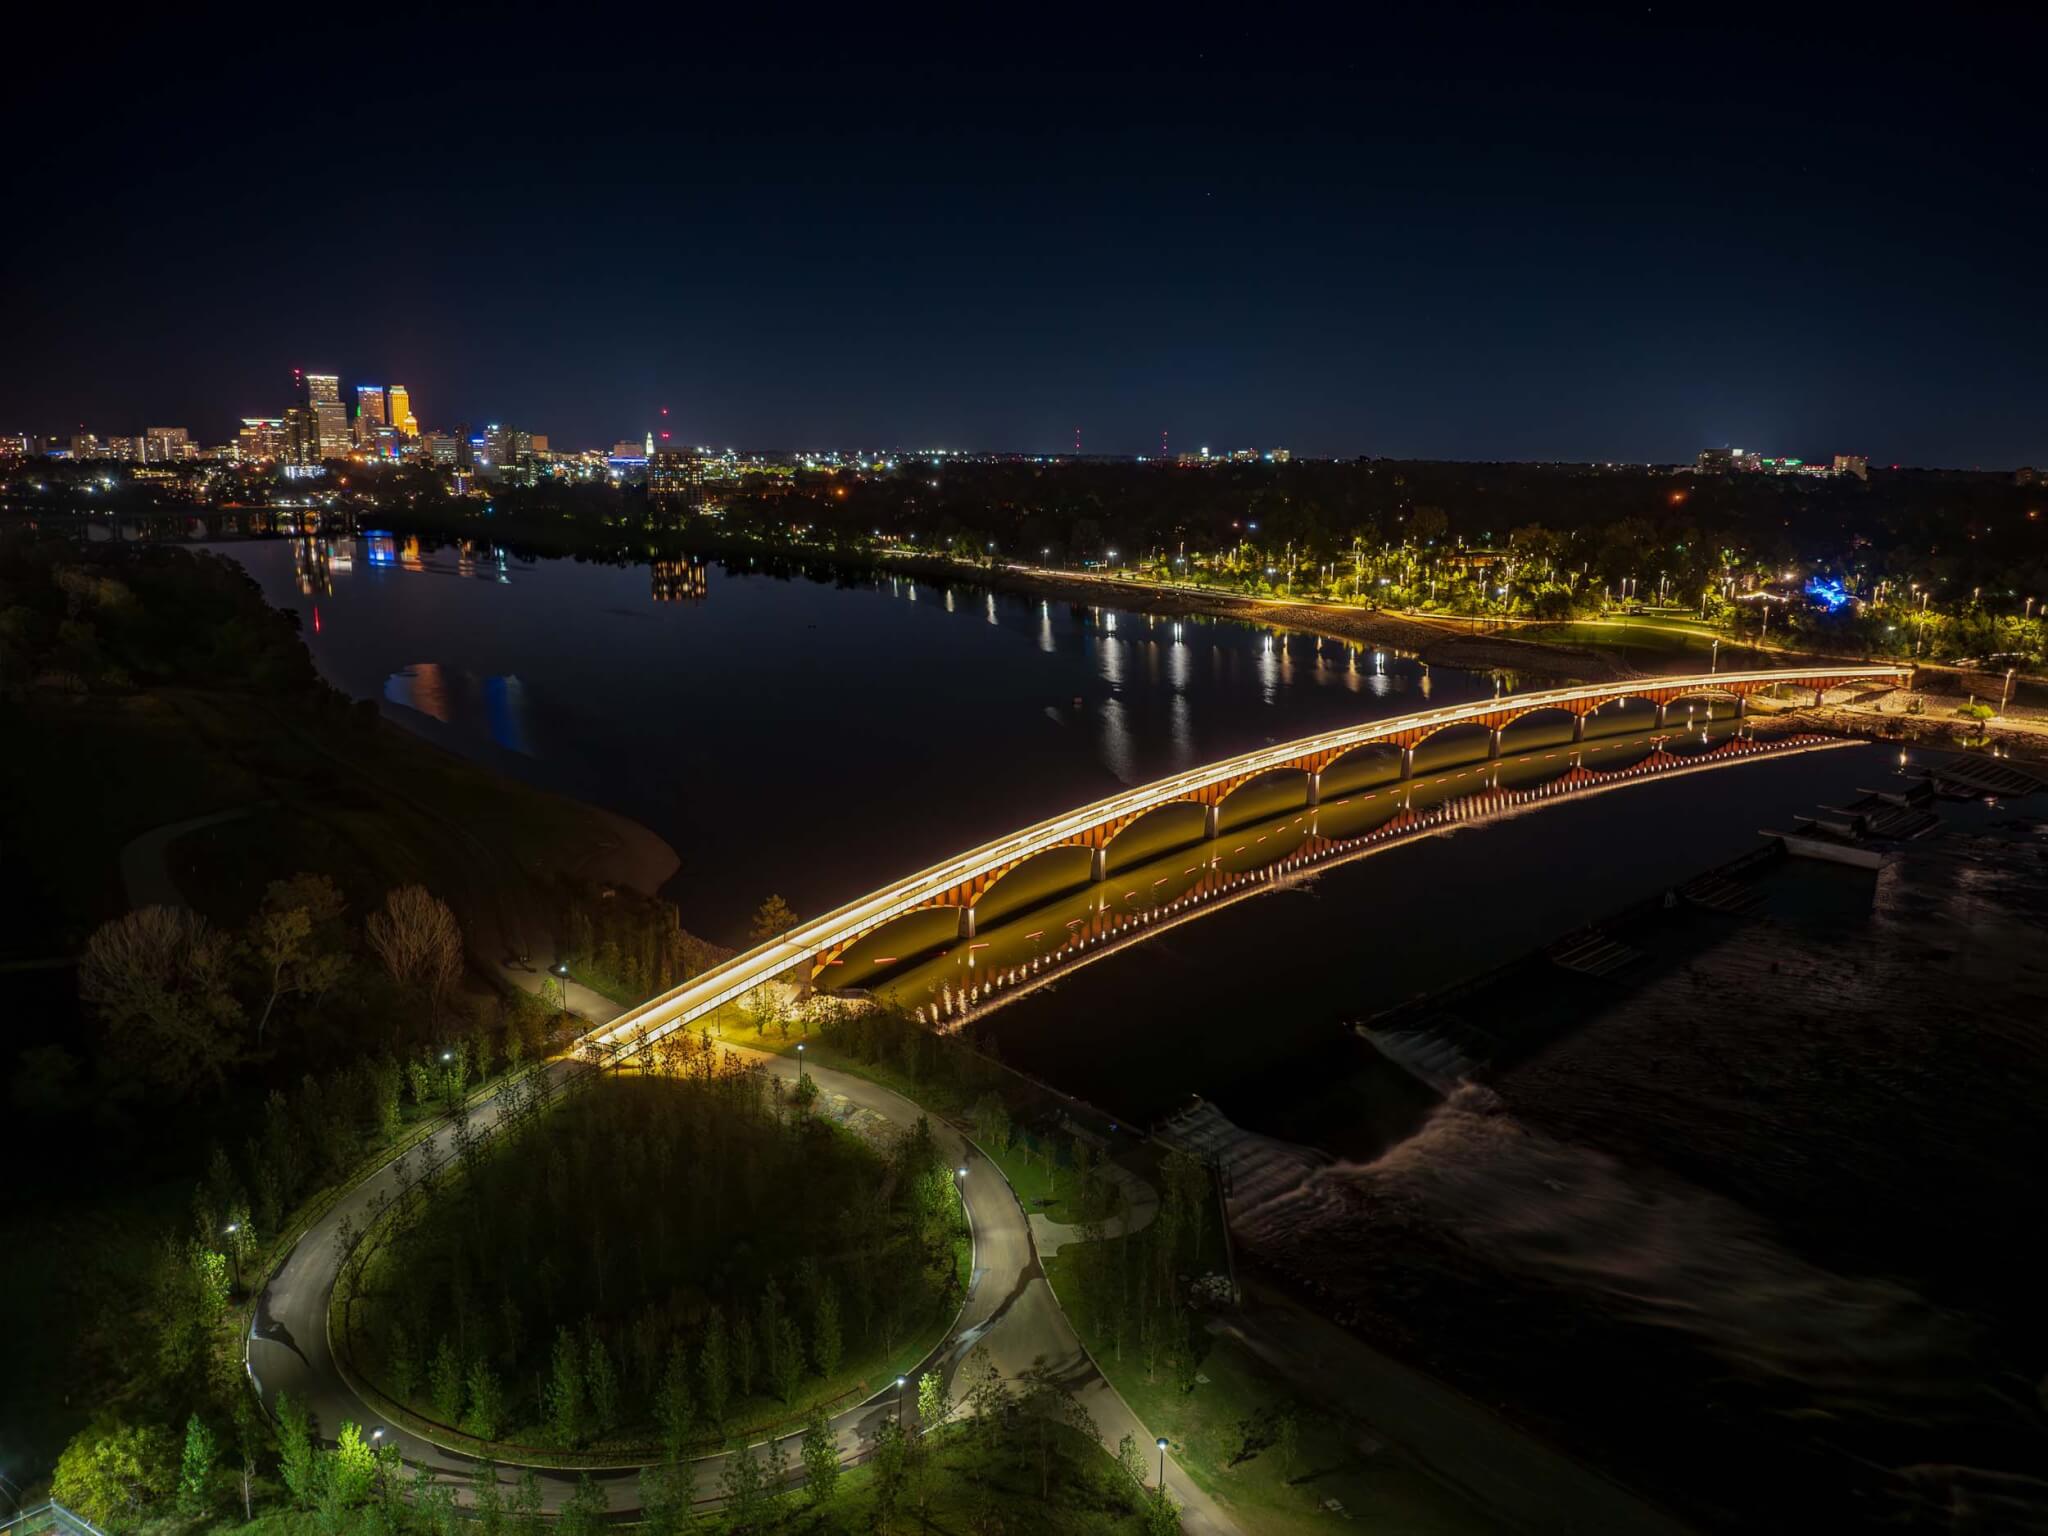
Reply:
x=961, y=881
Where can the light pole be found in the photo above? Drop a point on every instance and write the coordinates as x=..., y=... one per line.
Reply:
x=235, y=1251
x=1162, y=1466
x=560, y=971
x=1714, y=660
x=799, y=1063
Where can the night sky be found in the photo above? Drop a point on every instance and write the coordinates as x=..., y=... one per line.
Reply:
x=1486, y=236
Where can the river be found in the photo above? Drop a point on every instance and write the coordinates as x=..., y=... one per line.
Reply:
x=815, y=734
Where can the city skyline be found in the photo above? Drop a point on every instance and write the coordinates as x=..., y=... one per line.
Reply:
x=1498, y=236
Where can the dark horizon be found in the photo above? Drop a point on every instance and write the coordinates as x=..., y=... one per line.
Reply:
x=1494, y=238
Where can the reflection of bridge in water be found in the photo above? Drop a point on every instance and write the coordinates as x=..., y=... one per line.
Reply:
x=964, y=980
x=941, y=906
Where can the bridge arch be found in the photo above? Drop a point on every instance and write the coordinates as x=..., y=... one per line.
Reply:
x=1263, y=795
x=955, y=883
x=1176, y=824
x=1032, y=881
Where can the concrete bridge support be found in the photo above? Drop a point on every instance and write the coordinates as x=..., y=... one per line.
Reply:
x=1098, y=864
x=1578, y=727
x=967, y=922
x=1663, y=715
x=1493, y=744
x=1212, y=822
x=1315, y=789
x=1741, y=705
x=1407, y=762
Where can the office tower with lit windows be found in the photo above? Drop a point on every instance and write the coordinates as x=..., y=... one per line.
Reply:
x=369, y=413
x=330, y=416
x=301, y=436
x=262, y=439
x=401, y=415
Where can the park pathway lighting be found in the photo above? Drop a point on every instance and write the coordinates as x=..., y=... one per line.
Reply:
x=1162, y=1466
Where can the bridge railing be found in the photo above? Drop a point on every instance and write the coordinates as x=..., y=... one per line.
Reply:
x=742, y=974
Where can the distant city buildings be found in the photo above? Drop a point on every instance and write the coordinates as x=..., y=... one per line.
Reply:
x=401, y=416
x=1723, y=461
x=262, y=440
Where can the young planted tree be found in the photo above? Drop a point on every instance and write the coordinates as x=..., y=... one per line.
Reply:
x=714, y=1369
x=446, y=1384
x=820, y=1459
x=195, y=1468
x=673, y=1409
x=564, y=1393
x=827, y=1345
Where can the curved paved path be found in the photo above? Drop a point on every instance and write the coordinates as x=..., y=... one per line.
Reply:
x=1009, y=1307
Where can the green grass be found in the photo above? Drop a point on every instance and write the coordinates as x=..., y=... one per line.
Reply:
x=1223, y=1436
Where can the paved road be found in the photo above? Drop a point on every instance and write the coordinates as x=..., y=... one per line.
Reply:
x=1009, y=1307
x=146, y=864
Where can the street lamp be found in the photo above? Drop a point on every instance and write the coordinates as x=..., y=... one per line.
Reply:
x=235, y=1251
x=1162, y=1466
x=560, y=971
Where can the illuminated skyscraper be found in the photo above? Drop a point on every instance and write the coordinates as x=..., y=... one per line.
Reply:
x=401, y=415
x=330, y=416
x=369, y=413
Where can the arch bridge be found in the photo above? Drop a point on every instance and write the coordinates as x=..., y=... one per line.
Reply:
x=959, y=883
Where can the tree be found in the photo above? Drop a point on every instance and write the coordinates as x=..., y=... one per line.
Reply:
x=487, y=1498
x=296, y=1464
x=159, y=979
x=934, y=1405
x=486, y=1400
x=348, y=1474
x=195, y=1468
x=603, y=1386
x=564, y=1392
x=292, y=943
x=1162, y=1515
x=771, y=918
x=583, y=1513
x=740, y=1487
x=113, y=1472
x=743, y=1355
x=673, y=1410
x=666, y=1496
x=827, y=1344
x=714, y=1369
x=820, y=1458
x=888, y=1456
x=445, y=1382
x=1051, y=1412
x=789, y=1357
x=418, y=939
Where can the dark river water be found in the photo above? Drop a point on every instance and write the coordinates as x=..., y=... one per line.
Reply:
x=818, y=737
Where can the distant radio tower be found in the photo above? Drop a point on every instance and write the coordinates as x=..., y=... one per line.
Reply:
x=1077, y=442
x=664, y=423
x=1162, y=443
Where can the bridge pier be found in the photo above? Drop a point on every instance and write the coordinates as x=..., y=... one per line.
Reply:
x=1663, y=714
x=967, y=922
x=1098, y=864
x=1741, y=705
x=1407, y=762
x=1493, y=744
x=1212, y=822
x=1315, y=789
x=1578, y=727
x=1820, y=697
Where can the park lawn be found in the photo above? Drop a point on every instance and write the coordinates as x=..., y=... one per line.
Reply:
x=1339, y=1458
x=1649, y=635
